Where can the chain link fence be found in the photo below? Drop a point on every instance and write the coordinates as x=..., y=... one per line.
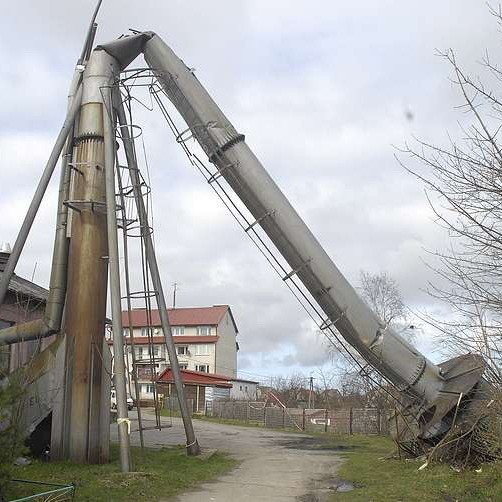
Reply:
x=342, y=420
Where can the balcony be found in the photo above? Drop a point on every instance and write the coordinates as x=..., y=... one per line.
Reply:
x=145, y=359
x=146, y=373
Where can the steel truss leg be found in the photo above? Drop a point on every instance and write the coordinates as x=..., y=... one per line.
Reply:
x=114, y=271
x=129, y=309
x=192, y=444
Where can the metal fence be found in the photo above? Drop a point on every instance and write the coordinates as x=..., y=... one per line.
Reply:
x=41, y=491
x=342, y=420
x=171, y=403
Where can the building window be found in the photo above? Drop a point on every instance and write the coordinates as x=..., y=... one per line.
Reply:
x=183, y=366
x=147, y=351
x=149, y=388
x=203, y=330
x=145, y=331
x=178, y=330
x=182, y=350
x=202, y=367
x=240, y=387
x=201, y=349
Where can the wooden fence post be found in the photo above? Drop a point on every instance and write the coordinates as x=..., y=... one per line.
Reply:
x=326, y=420
x=350, y=420
x=398, y=439
x=283, y=417
x=303, y=420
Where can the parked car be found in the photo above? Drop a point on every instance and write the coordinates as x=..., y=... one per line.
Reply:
x=113, y=400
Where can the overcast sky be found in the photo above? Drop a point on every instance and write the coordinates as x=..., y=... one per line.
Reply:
x=321, y=89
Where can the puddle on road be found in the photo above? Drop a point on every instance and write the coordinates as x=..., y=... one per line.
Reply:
x=321, y=490
x=344, y=486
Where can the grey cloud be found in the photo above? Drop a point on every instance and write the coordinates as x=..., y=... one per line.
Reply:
x=320, y=94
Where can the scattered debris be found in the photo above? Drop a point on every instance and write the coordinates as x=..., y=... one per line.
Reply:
x=21, y=461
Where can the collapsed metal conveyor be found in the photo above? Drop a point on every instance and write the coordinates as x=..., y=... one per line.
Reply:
x=429, y=392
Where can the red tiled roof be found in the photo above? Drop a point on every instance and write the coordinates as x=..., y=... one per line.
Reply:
x=196, y=378
x=189, y=316
x=144, y=340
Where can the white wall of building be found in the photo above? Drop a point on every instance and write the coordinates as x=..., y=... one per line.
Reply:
x=226, y=354
x=244, y=390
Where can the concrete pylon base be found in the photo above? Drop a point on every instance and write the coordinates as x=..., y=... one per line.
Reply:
x=97, y=450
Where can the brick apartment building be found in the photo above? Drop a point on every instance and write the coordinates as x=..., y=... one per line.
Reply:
x=205, y=340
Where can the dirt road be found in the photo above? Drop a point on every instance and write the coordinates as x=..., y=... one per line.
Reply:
x=274, y=466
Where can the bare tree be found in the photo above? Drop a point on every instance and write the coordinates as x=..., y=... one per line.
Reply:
x=327, y=392
x=290, y=390
x=381, y=293
x=359, y=383
x=464, y=188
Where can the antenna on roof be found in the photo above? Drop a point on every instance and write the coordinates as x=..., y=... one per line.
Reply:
x=175, y=288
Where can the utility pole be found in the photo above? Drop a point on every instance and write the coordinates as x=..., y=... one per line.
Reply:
x=175, y=288
x=311, y=392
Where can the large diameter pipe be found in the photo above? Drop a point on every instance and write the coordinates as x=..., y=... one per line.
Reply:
x=114, y=274
x=53, y=313
x=85, y=308
x=378, y=344
x=59, y=269
x=38, y=196
x=192, y=444
x=91, y=33
x=31, y=330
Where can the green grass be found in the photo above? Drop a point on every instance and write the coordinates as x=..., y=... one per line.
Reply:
x=383, y=479
x=159, y=473
x=392, y=480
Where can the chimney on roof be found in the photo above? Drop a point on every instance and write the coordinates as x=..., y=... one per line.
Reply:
x=5, y=251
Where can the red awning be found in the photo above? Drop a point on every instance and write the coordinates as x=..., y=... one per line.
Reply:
x=196, y=378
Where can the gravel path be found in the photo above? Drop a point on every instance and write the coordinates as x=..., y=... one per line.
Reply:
x=274, y=466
